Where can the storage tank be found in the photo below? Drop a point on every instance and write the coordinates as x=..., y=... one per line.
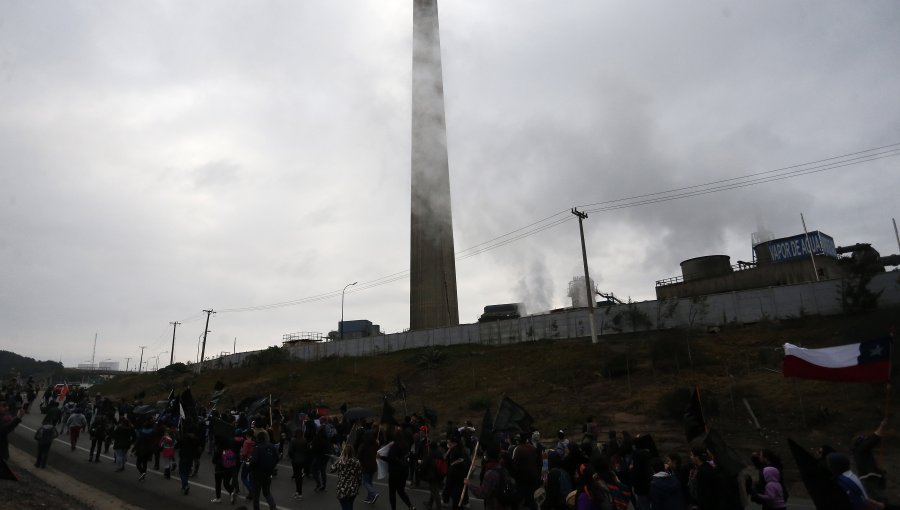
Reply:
x=706, y=267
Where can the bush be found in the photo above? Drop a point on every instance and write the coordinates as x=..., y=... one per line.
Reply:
x=271, y=356
x=431, y=358
x=174, y=369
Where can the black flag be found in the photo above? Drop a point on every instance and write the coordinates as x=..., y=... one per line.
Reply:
x=821, y=485
x=387, y=414
x=258, y=406
x=187, y=403
x=401, y=389
x=646, y=442
x=726, y=457
x=487, y=437
x=512, y=418
x=694, y=424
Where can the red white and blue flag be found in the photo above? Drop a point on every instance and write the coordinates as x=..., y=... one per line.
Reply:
x=868, y=362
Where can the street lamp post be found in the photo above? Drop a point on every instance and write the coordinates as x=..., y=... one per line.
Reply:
x=341, y=325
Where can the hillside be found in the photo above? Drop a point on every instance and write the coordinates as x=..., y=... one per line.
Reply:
x=14, y=364
x=637, y=382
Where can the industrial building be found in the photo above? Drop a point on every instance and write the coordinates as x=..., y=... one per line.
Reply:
x=776, y=262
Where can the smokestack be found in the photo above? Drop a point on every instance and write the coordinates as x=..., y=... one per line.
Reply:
x=432, y=300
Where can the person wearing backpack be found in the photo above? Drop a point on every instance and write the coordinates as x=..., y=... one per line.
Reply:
x=44, y=435
x=224, y=460
x=432, y=470
x=263, y=462
x=143, y=448
x=498, y=487
x=167, y=452
x=97, y=433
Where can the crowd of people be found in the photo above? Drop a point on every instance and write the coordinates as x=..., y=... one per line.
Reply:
x=516, y=469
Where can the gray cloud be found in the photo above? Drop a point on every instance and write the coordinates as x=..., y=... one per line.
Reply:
x=162, y=158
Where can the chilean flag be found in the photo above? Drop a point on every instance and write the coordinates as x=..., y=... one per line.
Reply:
x=867, y=362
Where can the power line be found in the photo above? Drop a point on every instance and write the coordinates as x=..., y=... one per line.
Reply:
x=753, y=179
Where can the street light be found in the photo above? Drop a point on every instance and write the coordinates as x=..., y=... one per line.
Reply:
x=341, y=325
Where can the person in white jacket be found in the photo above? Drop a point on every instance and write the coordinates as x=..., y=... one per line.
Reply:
x=75, y=423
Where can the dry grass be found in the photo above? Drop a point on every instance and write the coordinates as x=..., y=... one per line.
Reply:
x=620, y=382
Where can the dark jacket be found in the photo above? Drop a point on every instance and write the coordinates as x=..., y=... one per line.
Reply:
x=6, y=428
x=665, y=492
x=123, y=436
x=705, y=487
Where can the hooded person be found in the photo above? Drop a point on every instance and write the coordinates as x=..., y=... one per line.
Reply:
x=772, y=496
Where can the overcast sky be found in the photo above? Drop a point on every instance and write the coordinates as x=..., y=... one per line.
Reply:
x=158, y=158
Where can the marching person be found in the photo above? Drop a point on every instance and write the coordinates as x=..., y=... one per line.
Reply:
x=349, y=477
x=75, y=423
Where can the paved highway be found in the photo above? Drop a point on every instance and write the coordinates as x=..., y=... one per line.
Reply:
x=157, y=492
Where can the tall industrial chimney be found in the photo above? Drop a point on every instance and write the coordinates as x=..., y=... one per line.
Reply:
x=432, y=298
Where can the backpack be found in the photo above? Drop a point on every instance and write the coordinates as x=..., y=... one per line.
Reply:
x=229, y=458
x=620, y=495
x=506, y=491
x=440, y=465
x=265, y=458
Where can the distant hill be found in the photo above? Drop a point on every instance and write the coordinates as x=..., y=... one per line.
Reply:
x=14, y=364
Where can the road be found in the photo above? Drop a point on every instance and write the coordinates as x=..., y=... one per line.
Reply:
x=157, y=492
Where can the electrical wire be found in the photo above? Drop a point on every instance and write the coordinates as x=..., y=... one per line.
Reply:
x=556, y=219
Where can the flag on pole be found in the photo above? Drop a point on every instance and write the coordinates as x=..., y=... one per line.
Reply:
x=401, y=389
x=866, y=362
x=487, y=437
x=694, y=423
x=727, y=458
x=820, y=484
x=63, y=392
x=512, y=418
x=387, y=414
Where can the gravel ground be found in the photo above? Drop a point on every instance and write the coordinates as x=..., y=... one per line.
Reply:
x=31, y=492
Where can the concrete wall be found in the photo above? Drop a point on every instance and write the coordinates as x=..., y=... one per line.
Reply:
x=817, y=298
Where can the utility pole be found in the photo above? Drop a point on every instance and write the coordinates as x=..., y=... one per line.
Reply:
x=809, y=247
x=897, y=235
x=172, y=352
x=127, y=360
x=205, y=331
x=587, y=275
x=141, y=362
x=94, y=352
